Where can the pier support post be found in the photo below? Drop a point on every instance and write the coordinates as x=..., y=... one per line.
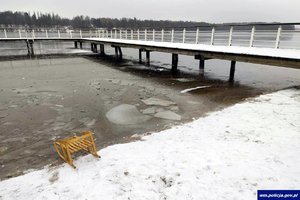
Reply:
x=174, y=62
x=92, y=47
x=232, y=71
x=201, y=63
x=140, y=55
x=102, y=52
x=95, y=48
x=30, y=49
x=118, y=53
x=147, y=57
x=80, y=45
x=201, y=66
x=75, y=45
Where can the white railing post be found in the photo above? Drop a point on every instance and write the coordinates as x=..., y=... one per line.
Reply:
x=58, y=33
x=80, y=33
x=26, y=35
x=47, y=34
x=172, y=35
x=212, y=36
x=278, y=37
x=153, y=35
x=197, y=36
x=71, y=36
x=91, y=34
x=111, y=34
x=126, y=35
x=116, y=34
x=183, y=36
x=145, y=34
x=230, y=36
x=252, y=36
x=131, y=32
x=5, y=34
x=106, y=31
x=162, y=35
x=120, y=33
x=138, y=34
x=20, y=36
x=32, y=34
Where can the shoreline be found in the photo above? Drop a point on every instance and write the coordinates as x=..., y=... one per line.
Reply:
x=245, y=152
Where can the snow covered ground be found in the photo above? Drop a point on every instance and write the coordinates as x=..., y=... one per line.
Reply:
x=229, y=154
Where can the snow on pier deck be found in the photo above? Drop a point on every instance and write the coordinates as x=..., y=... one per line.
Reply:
x=290, y=57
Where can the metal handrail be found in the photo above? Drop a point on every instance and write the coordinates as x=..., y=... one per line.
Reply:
x=230, y=37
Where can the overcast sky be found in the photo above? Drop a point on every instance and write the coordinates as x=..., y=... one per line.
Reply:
x=195, y=10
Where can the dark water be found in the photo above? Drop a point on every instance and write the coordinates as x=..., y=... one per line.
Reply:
x=43, y=99
x=254, y=75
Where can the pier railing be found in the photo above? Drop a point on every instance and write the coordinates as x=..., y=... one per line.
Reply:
x=252, y=36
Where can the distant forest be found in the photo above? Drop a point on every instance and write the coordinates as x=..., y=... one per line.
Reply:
x=47, y=20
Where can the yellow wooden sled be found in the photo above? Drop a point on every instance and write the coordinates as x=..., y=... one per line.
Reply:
x=67, y=146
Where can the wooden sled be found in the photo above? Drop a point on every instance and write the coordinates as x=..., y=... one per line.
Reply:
x=66, y=147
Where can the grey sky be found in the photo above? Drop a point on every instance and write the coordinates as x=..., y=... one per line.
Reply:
x=196, y=10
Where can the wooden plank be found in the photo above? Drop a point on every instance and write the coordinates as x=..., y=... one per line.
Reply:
x=86, y=142
x=72, y=149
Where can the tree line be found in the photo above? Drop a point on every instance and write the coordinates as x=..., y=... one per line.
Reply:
x=51, y=20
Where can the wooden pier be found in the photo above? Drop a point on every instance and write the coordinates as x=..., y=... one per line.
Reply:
x=202, y=44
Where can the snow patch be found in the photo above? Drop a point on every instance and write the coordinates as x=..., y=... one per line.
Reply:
x=168, y=115
x=195, y=88
x=150, y=110
x=158, y=102
x=126, y=114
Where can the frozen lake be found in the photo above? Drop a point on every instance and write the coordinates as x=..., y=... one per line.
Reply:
x=53, y=97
